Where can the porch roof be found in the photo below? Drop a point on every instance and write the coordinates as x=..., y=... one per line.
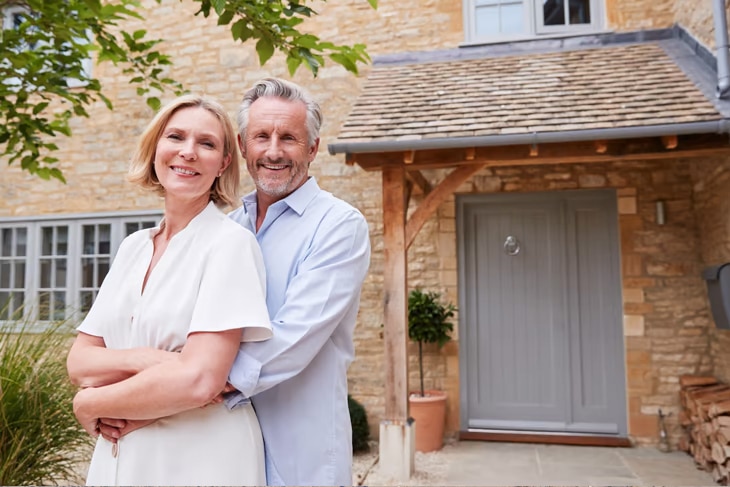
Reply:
x=631, y=90
x=638, y=100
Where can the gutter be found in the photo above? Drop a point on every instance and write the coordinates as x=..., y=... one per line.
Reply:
x=721, y=43
x=716, y=126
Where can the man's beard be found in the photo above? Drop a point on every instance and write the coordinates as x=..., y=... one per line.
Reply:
x=276, y=187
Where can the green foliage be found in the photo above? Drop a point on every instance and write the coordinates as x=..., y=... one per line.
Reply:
x=273, y=24
x=56, y=38
x=40, y=439
x=428, y=322
x=360, y=428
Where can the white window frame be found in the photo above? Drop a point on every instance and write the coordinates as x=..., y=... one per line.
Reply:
x=534, y=23
x=73, y=283
x=9, y=14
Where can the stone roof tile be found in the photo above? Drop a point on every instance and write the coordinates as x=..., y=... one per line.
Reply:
x=621, y=86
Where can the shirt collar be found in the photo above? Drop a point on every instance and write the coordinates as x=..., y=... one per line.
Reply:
x=297, y=201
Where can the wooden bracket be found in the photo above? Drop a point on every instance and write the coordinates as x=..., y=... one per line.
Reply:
x=350, y=159
x=601, y=146
x=471, y=153
x=670, y=142
x=409, y=156
x=534, y=151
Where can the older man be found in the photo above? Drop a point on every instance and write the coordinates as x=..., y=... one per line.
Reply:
x=316, y=251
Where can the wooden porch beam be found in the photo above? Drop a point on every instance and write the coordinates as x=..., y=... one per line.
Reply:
x=564, y=153
x=434, y=199
x=394, y=295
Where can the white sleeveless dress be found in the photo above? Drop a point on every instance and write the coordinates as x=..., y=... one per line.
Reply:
x=210, y=278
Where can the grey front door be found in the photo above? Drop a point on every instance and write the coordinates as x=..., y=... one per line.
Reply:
x=541, y=335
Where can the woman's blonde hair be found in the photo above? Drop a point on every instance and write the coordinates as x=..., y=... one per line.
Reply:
x=224, y=190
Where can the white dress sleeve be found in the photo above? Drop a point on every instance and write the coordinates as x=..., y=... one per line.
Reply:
x=232, y=291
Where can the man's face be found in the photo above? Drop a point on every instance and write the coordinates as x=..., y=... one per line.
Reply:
x=276, y=147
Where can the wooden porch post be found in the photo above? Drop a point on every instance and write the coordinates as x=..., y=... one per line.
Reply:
x=397, y=434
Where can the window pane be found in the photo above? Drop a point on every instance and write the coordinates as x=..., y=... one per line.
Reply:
x=149, y=224
x=553, y=12
x=580, y=11
x=102, y=271
x=44, y=306
x=105, y=239
x=87, y=272
x=60, y=273
x=502, y=17
x=512, y=19
x=19, y=275
x=6, y=241
x=87, y=297
x=47, y=241
x=59, y=305
x=17, y=307
x=4, y=305
x=89, y=240
x=62, y=245
x=5, y=274
x=130, y=228
x=20, y=242
x=487, y=21
x=45, y=273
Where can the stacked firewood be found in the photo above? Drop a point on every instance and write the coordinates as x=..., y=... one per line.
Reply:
x=705, y=416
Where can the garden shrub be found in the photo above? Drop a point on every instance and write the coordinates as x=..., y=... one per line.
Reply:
x=360, y=427
x=40, y=440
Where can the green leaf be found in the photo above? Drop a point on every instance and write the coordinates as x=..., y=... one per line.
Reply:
x=219, y=6
x=154, y=103
x=241, y=31
x=39, y=107
x=293, y=62
x=265, y=49
x=225, y=18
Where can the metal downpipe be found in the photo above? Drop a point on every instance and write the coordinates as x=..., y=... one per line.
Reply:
x=721, y=44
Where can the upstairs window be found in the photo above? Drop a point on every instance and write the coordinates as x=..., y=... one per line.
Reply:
x=504, y=20
x=18, y=18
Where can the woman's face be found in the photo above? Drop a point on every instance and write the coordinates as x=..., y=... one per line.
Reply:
x=189, y=154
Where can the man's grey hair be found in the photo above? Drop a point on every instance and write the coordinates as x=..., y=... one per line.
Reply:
x=286, y=90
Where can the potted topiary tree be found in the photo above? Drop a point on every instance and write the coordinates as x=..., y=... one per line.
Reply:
x=428, y=322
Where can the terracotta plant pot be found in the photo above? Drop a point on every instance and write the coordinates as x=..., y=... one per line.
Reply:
x=429, y=412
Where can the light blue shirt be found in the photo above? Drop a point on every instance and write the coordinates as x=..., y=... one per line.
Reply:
x=316, y=251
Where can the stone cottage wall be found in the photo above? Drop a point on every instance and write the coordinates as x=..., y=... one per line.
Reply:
x=711, y=179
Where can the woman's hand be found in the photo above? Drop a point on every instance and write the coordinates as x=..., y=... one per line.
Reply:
x=112, y=429
x=82, y=403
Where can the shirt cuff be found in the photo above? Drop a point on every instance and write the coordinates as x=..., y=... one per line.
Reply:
x=244, y=376
x=235, y=399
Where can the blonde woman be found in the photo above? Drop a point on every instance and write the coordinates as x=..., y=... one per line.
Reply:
x=194, y=285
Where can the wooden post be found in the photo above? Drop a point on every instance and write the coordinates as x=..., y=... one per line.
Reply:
x=397, y=441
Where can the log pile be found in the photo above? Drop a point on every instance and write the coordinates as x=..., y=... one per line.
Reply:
x=705, y=416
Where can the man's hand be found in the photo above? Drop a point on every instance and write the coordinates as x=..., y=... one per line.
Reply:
x=220, y=397
x=112, y=429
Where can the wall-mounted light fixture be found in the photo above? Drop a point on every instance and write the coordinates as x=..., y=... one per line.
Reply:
x=660, y=216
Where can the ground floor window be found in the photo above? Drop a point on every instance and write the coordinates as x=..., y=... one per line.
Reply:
x=51, y=268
